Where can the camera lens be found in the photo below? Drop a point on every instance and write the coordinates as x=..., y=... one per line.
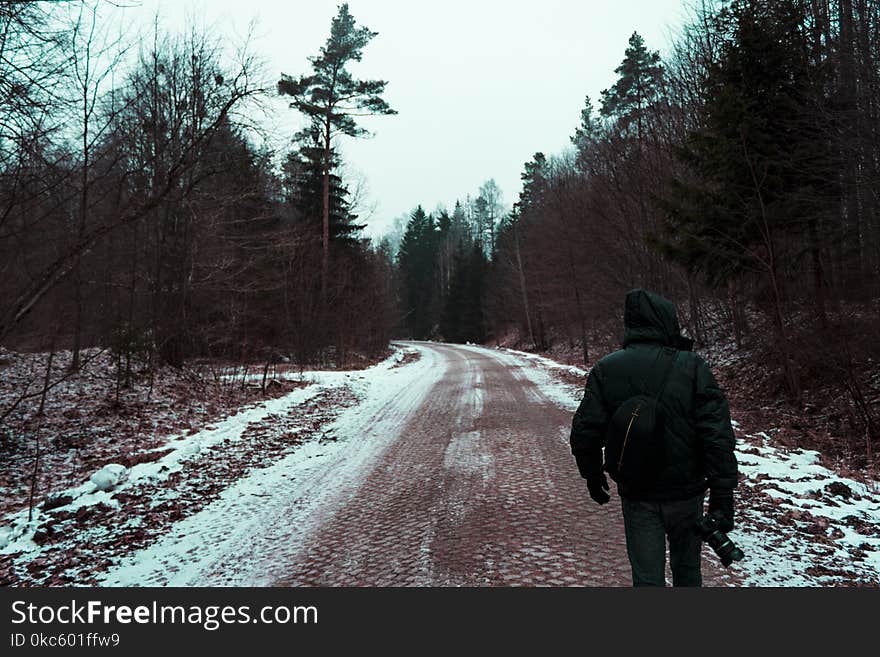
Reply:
x=719, y=542
x=726, y=550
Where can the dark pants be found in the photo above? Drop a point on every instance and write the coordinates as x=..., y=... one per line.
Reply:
x=648, y=526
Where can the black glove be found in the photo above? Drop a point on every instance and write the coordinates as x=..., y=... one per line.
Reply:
x=598, y=487
x=589, y=463
x=721, y=507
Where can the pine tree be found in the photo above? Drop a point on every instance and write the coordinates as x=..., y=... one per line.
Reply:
x=303, y=181
x=417, y=261
x=459, y=221
x=463, y=317
x=534, y=177
x=748, y=165
x=331, y=97
x=638, y=86
x=586, y=134
x=528, y=209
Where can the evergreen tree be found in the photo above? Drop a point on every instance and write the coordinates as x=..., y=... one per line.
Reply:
x=459, y=220
x=331, y=97
x=534, y=177
x=303, y=182
x=586, y=134
x=463, y=315
x=417, y=261
x=759, y=171
x=638, y=86
x=460, y=232
x=748, y=165
x=444, y=223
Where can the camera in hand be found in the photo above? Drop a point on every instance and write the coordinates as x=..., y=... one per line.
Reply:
x=726, y=549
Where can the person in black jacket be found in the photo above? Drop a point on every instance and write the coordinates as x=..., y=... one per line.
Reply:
x=698, y=437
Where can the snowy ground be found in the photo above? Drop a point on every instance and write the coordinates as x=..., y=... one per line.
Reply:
x=274, y=509
x=799, y=523
x=261, y=481
x=88, y=422
x=245, y=457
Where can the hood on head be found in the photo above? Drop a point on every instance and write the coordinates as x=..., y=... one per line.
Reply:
x=648, y=317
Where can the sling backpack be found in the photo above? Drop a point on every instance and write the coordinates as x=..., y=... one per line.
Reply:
x=635, y=439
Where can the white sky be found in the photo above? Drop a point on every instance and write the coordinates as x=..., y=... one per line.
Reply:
x=480, y=85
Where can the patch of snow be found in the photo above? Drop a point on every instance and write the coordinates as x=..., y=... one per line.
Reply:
x=808, y=529
x=548, y=387
x=109, y=477
x=465, y=455
x=183, y=447
x=107, y=482
x=5, y=534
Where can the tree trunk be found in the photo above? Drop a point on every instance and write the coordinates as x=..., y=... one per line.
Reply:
x=325, y=237
x=522, y=284
x=81, y=226
x=696, y=319
x=790, y=376
x=852, y=265
x=818, y=275
x=735, y=314
x=40, y=414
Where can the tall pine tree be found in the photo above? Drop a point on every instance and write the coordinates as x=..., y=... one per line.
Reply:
x=331, y=98
x=640, y=77
x=463, y=317
x=586, y=135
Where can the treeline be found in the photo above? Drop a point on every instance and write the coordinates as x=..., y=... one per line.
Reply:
x=137, y=213
x=443, y=263
x=739, y=176
x=739, y=173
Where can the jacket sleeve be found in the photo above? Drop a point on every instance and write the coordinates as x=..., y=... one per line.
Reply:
x=714, y=431
x=588, y=427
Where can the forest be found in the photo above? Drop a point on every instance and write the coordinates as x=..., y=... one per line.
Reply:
x=738, y=175
x=137, y=214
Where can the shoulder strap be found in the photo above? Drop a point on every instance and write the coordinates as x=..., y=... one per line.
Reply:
x=652, y=369
x=669, y=367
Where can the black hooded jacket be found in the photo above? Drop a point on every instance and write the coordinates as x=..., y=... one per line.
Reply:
x=699, y=437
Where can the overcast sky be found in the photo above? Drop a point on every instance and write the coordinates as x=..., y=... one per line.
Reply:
x=480, y=85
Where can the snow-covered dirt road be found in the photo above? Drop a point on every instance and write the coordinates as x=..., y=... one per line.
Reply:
x=452, y=470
